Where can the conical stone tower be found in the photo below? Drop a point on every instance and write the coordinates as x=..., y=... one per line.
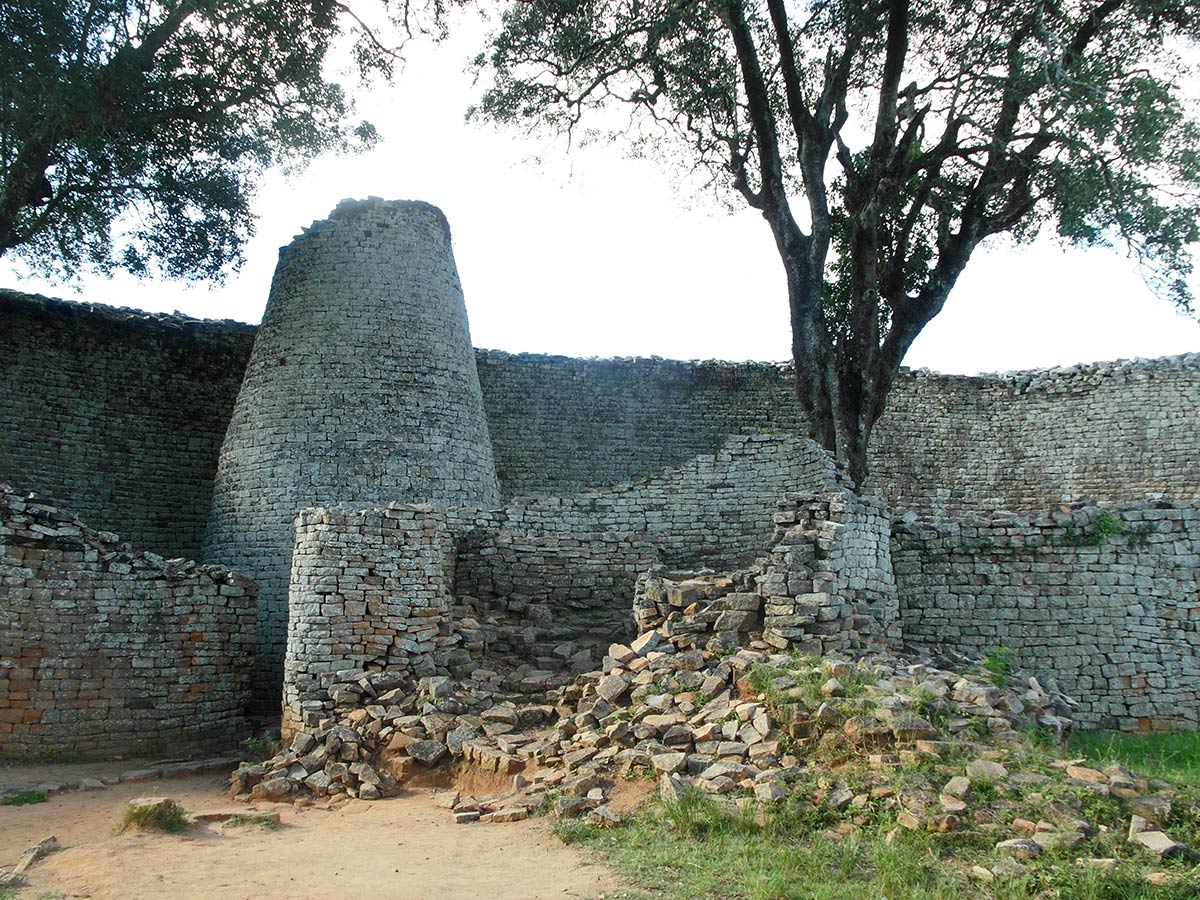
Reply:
x=361, y=389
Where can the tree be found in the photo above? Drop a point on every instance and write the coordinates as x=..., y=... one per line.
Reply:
x=132, y=131
x=883, y=141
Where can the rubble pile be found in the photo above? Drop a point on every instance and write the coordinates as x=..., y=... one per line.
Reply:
x=920, y=744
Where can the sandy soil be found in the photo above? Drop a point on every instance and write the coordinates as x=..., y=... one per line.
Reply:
x=400, y=849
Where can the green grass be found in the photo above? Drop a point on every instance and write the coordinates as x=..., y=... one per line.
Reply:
x=23, y=798
x=1171, y=756
x=262, y=821
x=171, y=818
x=698, y=849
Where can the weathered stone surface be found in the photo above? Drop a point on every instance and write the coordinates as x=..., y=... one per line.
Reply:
x=428, y=753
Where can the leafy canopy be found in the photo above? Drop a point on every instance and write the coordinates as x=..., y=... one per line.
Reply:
x=132, y=132
x=1007, y=115
x=883, y=141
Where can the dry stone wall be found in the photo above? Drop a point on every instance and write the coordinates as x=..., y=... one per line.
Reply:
x=361, y=390
x=369, y=605
x=1106, y=600
x=104, y=650
x=1119, y=432
x=117, y=413
x=714, y=509
x=561, y=425
x=122, y=415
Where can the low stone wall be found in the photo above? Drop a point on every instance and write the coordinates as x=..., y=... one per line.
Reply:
x=369, y=603
x=1105, y=600
x=106, y=651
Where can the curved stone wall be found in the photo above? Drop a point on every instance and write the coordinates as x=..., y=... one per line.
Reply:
x=562, y=425
x=1115, y=431
x=118, y=414
x=122, y=415
x=107, y=650
x=361, y=389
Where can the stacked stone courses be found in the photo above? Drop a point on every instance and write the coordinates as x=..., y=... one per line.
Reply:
x=605, y=421
x=361, y=389
x=118, y=414
x=1105, y=599
x=549, y=483
x=1115, y=431
x=104, y=650
x=825, y=586
x=122, y=415
x=370, y=593
x=715, y=509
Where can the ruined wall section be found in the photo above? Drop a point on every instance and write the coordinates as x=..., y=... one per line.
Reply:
x=105, y=650
x=1117, y=431
x=118, y=414
x=1105, y=600
x=824, y=587
x=361, y=390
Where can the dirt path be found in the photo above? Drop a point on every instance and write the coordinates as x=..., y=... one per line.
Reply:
x=400, y=849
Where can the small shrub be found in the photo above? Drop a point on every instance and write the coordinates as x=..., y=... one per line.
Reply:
x=261, y=821
x=998, y=663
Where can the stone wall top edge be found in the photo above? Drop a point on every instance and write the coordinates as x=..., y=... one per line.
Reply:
x=558, y=359
x=343, y=510
x=181, y=323
x=1035, y=378
x=62, y=529
x=1049, y=517
x=121, y=316
x=351, y=208
x=1016, y=378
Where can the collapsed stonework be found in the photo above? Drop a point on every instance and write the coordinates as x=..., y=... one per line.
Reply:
x=411, y=507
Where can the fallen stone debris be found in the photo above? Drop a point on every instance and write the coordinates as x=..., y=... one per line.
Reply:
x=931, y=747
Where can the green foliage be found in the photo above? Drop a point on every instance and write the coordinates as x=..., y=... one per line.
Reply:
x=998, y=663
x=133, y=132
x=1103, y=528
x=1174, y=756
x=256, y=747
x=703, y=848
x=260, y=821
x=23, y=798
x=883, y=142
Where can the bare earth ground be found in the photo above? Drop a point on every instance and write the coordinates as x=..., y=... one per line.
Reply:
x=400, y=849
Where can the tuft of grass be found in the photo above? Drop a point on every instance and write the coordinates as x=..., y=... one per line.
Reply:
x=169, y=817
x=998, y=665
x=1172, y=756
x=261, y=821
x=23, y=798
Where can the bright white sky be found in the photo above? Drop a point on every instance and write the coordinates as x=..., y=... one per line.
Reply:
x=593, y=254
